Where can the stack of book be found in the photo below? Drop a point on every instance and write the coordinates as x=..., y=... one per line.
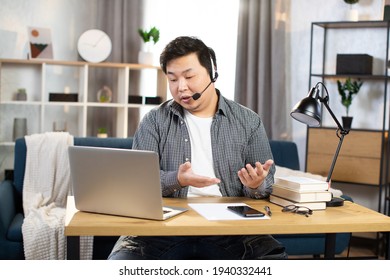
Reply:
x=300, y=191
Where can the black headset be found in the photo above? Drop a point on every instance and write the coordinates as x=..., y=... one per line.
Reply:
x=214, y=73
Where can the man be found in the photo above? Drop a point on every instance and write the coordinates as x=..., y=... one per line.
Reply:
x=208, y=146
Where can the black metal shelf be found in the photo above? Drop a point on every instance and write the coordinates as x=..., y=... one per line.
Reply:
x=383, y=78
x=353, y=24
x=364, y=77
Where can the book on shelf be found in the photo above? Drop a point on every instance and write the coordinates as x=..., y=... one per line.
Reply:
x=302, y=183
x=317, y=205
x=301, y=196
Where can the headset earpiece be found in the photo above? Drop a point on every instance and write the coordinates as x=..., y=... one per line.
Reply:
x=214, y=73
x=215, y=77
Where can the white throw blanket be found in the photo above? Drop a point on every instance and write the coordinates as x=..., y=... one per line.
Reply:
x=45, y=190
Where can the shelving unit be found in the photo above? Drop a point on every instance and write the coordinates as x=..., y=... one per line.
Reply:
x=364, y=155
x=41, y=77
x=84, y=117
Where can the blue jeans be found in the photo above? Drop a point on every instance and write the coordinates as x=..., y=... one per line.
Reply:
x=197, y=247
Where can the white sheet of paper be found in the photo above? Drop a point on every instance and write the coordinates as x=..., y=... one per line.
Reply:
x=219, y=211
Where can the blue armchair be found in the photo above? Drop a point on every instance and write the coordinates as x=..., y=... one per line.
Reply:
x=286, y=155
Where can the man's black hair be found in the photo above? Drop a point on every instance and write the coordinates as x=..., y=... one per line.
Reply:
x=185, y=45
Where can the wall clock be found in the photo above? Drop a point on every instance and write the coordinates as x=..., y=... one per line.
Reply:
x=94, y=45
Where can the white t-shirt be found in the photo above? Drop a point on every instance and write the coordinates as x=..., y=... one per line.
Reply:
x=201, y=153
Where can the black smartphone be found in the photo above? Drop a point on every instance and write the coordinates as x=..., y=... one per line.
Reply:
x=246, y=211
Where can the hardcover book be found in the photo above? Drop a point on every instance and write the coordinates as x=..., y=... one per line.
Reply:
x=301, y=183
x=301, y=196
x=319, y=205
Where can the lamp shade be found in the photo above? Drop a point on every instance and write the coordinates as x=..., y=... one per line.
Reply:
x=308, y=110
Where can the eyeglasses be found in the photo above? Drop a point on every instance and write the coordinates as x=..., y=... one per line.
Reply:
x=301, y=210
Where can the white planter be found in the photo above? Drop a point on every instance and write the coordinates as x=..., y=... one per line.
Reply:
x=145, y=58
x=353, y=15
x=102, y=135
x=20, y=128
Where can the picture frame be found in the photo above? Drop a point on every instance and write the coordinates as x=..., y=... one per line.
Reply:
x=40, y=43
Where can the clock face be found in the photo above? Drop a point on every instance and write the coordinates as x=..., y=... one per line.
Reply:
x=94, y=45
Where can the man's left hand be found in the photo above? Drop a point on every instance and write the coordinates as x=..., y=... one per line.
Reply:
x=253, y=177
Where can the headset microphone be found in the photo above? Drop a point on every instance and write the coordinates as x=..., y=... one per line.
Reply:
x=197, y=95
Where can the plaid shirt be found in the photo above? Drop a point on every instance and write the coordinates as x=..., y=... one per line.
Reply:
x=238, y=137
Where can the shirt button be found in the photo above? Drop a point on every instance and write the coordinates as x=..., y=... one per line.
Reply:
x=187, y=159
x=181, y=122
x=186, y=140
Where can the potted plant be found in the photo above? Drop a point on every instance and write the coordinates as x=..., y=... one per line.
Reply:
x=352, y=14
x=102, y=132
x=152, y=34
x=347, y=91
x=148, y=37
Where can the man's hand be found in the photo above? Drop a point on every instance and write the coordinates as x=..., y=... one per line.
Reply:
x=187, y=177
x=253, y=177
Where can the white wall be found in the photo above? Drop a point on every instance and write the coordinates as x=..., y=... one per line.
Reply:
x=66, y=19
x=302, y=14
x=212, y=21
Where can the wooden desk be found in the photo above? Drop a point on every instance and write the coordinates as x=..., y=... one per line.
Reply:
x=349, y=218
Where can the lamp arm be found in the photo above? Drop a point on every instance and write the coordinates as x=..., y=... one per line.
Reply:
x=335, y=157
x=341, y=130
x=340, y=127
x=325, y=101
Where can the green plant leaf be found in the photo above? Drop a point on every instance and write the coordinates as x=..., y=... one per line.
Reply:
x=144, y=35
x=347, y=91
x=152, y=34
x=102, y=130
x=155, y=34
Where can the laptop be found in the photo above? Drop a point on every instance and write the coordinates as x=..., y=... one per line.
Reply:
x=118, y=182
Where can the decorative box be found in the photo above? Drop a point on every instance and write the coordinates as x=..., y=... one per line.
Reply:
x=354, y=64
x=153, y=100
x=63, y=97
x=135, y=99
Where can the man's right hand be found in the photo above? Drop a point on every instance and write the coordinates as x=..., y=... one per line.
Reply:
x=187, y=177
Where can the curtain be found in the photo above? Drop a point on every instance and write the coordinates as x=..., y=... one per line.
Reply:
x=261, y=64
x=120, y=19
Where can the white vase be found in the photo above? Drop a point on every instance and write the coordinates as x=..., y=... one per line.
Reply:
x=353, y=14
x=104, y=94
x=20, y=128
x=145, y=57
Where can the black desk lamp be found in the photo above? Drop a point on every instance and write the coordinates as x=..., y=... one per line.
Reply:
x=308, y=111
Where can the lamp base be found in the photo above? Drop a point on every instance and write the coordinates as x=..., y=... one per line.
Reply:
x=335, y=202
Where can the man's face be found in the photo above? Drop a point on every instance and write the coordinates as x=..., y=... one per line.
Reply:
x=186, y=76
